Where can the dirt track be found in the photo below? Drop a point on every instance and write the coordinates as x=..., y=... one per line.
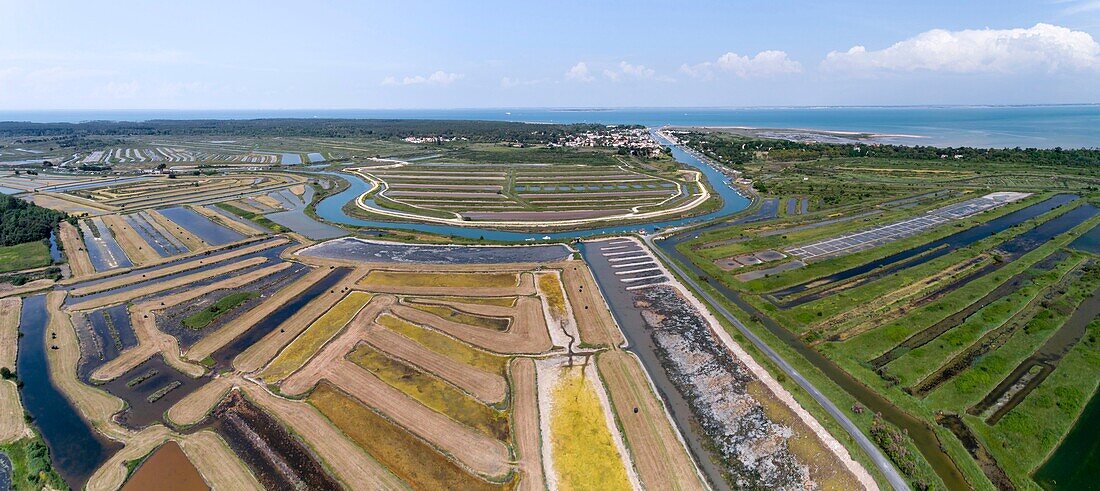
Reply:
x=488, y=387
x=594, y=320
x=195, y=406
x=9, y=330
x=528, y=333
x=480, y=452
x=79, y=262
x=112, y=473
x=525, y=419
x=660, y=457
x=225, y=222
x=219, y=466
x=132, y=244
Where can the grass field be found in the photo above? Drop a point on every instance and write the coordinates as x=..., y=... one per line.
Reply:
x=497, y=301
x=433, y=392
x=299, y=351
x=408, y=457
x=439, y=280
x=24, y=256
x=453, y=314
x=585, y=455
x=446, y=345
x=205, y=316
x=550, y=287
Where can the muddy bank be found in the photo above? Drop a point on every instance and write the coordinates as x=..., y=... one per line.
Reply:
x=981, y=455
x=166, y=469
x=276, y=458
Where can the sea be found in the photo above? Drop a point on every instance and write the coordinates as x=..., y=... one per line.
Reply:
x=1038, y=126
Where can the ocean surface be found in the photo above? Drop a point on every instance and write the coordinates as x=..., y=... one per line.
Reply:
x=1067, y=126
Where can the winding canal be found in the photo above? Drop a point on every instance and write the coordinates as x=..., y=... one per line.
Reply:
x=332, y=209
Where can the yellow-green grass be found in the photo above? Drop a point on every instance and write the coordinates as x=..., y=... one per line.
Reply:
x=405, y=455
x=433, y=392
x=299, y=351
x=453, y=314
x=585, y=456
x=442, y=280
x=446, y=345
x=550, y=287
x=24, y=256
x=497, y=301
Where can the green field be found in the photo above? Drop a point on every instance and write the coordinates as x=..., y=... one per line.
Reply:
x=24, y=256
x=204, y=317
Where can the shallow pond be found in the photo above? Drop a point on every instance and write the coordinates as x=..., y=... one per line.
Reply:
x=203, y=227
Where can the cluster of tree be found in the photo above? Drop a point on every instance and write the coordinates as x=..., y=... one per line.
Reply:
x=25, y=222
x=492, y=131
x=739, y=150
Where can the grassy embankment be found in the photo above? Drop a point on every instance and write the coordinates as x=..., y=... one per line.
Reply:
x=207, y=315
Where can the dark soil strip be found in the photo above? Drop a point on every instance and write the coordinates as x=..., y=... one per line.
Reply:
x=978, y=451
x=276, y=458
x=1047, y=356
x=993, y=339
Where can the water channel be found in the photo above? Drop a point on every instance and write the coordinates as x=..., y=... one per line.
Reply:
x=332, y=209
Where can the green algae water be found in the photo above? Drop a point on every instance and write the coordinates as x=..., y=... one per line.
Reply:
x=1076, y=462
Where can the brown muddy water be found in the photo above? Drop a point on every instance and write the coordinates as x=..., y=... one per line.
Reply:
x=167, y=469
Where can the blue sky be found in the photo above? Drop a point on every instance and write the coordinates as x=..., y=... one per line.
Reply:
x=334, y=55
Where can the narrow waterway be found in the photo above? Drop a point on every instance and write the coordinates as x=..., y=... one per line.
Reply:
x=332, y=210
x=77, y=450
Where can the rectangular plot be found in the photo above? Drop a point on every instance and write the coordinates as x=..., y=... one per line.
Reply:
x=207, y=230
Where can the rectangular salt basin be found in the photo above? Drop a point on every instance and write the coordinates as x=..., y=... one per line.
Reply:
x=291, y=159
x=203, y=227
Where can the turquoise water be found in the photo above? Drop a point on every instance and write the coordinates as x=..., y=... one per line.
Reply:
x=979, y=126
x=331, y=209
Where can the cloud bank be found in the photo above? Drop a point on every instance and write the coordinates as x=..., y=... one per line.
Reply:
x=764, y=64
x=439, y=77
x=1043, y=47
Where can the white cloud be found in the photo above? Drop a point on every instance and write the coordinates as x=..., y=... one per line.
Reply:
x=624, y=69
x=1081, y=7
x=579, y=72
x=764, y=64
x=439, y=77
x=1043, y=46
